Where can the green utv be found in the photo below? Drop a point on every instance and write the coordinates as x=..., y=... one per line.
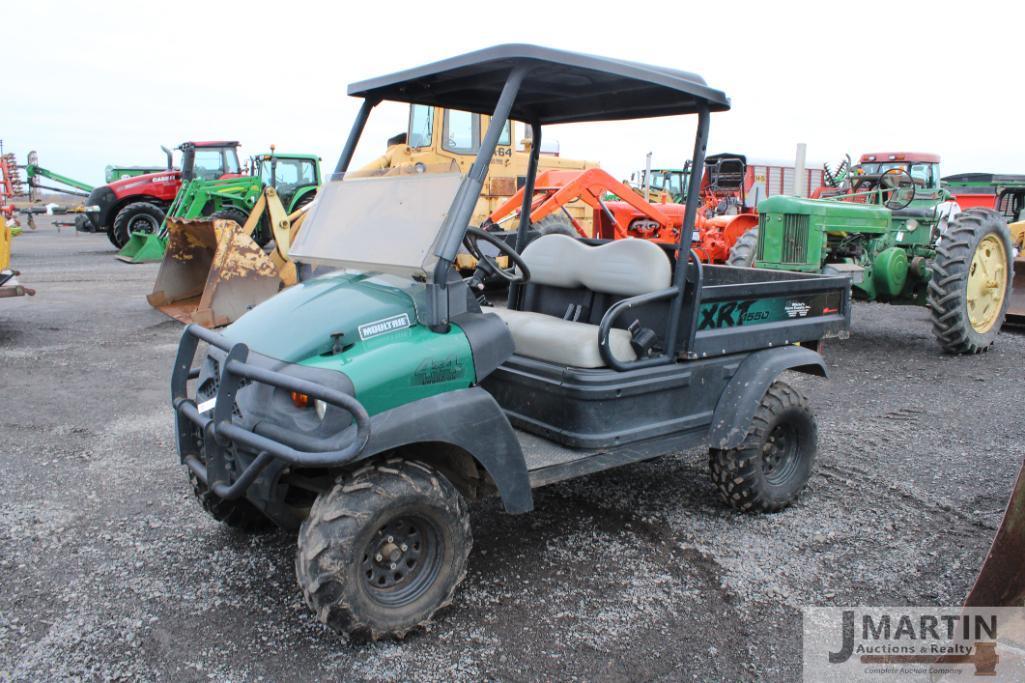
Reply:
x=367, y=406
x=902, y=240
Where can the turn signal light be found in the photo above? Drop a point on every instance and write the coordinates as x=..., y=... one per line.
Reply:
x=300, y=400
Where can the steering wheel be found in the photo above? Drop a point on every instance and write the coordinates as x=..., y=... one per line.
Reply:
x=489, y=263
x=898, y=189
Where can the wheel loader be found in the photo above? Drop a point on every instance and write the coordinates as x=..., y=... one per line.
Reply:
x=215, y=269
x=295, y=176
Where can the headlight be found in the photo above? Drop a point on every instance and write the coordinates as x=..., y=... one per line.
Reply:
x=320, y=407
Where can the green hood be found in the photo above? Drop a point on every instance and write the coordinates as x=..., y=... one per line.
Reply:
x=298, y=322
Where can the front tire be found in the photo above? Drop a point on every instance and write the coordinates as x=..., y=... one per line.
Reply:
x=383, y=550
x=771, y=467
x=972, y=274
x=742, y=253
x=141, y=217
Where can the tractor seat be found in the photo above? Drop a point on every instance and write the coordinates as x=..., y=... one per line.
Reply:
x=622, y=268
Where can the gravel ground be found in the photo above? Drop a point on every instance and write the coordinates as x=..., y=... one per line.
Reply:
x=110, y=570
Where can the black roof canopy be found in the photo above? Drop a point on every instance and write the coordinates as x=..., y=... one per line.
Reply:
x=560, y=86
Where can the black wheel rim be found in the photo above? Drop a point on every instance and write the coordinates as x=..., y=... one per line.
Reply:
x=402, y=560
x=780, y=454
x=146, y=224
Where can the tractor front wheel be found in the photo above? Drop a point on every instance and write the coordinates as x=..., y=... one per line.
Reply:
x=772, y=465
x=742, y=253
x=141, y=217
x=971, y=277
x=383, y=550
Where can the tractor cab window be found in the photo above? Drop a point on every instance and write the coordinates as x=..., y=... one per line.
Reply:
x=924, y=175
x=231, y=164
x=461, y=132
x=421, y=125
x=209, y=164
x=505, y=139
x=307, y=172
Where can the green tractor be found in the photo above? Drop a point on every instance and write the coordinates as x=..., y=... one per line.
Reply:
x=296, y=178
x=901, y=239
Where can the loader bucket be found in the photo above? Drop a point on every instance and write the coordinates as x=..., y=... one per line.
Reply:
x=212, y=273
x=143, y=248
x=1001, y=580
x=1016, y=305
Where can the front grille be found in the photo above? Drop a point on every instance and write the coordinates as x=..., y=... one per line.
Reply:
x=208, y=389
x=760, y=250
x=795, y=238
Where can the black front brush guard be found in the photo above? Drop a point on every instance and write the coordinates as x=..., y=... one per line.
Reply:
x=220, y=431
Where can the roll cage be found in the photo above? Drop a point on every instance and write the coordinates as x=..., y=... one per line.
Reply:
x=539, y=86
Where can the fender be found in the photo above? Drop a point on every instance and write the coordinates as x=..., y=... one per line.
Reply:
x=469, y=419
x=299, y=194
x=739, y=401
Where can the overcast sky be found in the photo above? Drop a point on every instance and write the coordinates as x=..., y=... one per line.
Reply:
x=91, y=83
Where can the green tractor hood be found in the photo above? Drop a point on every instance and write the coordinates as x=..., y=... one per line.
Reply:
x=847, y=216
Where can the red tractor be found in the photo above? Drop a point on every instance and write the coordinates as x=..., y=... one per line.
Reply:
x=721, y=220
x=138, y=204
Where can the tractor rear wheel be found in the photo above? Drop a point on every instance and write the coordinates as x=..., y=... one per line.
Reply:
x=742, y=253
x=972, y=274
x=383, y=550
x=771, y=467
x=141, y=217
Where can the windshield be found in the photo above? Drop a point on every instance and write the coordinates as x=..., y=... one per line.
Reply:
x=922, y=174
x=381, y=221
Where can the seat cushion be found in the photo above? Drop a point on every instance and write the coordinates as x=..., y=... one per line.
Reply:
x=624, y=268
x=545, y=337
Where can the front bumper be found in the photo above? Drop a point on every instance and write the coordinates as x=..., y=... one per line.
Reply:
x=232, y=452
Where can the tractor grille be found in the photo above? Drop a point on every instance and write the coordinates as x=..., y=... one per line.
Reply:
x=760, y=249
x=795, y=238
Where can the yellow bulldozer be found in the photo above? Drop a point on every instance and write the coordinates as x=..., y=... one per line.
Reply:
x=213, y=270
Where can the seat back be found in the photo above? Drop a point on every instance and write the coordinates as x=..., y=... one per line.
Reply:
x=622, y=268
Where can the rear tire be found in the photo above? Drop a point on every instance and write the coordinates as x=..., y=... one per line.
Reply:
x=383, y=550
x=742, y=253
x=238, y=514
x=967, y=317
x=136, y=217
x=771, y=467
x=555, y=224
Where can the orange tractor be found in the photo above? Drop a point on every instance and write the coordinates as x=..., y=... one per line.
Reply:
x=620, y=212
